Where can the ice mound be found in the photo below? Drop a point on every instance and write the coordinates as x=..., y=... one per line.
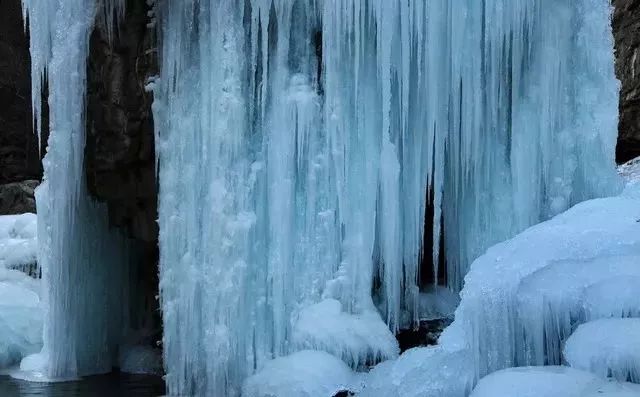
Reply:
x=607, y=347
x=306, y=373
x=630, y=170
x=140, y=360
x=359, y=339
x=613, y=297
x=550, y=301
x=600, y=232
x=18, y=244
x=552, y=381
x=423, y=371
x=20, y=317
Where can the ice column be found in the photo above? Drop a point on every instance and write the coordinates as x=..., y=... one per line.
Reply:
x=84, y=263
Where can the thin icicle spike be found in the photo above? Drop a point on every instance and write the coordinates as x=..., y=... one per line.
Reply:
x=300, y=142
x=84, y=264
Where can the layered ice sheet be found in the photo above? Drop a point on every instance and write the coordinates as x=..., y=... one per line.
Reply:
x=300, y=142
x=613, y=297
x=607, y=347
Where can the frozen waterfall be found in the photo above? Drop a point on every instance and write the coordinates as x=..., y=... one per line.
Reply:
x=301, y=145
x=300, y=141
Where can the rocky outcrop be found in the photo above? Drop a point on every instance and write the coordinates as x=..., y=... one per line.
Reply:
x=18, y=197
x=120, y=147
x=19, y=155
x=626, y=28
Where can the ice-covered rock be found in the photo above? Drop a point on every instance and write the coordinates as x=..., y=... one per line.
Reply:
x=552, y=381
x=306, y=373
x=359, y=339
x=424, y=371
x=437, y=303
x=607, y=347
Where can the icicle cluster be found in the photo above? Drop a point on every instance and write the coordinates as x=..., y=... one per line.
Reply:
x=299, y=142
x=85, y=265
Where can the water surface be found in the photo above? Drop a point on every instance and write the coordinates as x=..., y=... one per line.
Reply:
x=110, y=385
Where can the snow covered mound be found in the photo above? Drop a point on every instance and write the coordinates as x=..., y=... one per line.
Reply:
x=305, y=373
x=359, y=339
x=418, y=372
x=20, y=317
x=550, y=381
x=607, y=347
x=18, y=245
x=601, y=232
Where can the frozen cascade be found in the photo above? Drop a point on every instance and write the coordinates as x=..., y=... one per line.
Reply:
x=298, y=140
x=85, y=266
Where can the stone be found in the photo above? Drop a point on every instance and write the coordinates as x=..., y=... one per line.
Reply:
x=18, y=197
x=626, y=30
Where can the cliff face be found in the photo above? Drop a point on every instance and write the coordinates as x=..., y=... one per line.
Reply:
x=626, y=28
x=120, y=148
x=20, y=166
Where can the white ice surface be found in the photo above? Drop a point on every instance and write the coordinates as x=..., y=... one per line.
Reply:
x=607, y=347
x=305, y=373
x=552, y=381
x=18, y=243
x=358, y=339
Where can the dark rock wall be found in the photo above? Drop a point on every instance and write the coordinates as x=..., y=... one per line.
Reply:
x=626, y=29
x=19, y=155
x=120, y=147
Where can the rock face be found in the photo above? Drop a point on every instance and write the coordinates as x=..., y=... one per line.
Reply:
x=19, y=155
x=17, y=197
x=626, y=28
x=120, y=146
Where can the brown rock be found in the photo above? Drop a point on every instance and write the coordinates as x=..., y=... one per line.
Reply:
x=17, y=197
x=626, y=29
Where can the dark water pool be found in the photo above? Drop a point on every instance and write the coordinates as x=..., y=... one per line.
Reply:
x=111, y=385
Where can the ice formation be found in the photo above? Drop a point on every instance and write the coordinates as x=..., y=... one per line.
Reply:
x=488, y=323
x=140, y=360
x=306, y=373
x=550, y=301
x=613, y=297
x=607, y=347
x=20, y=317
x=424, y=371
x=359, y=340
x=18, y=242
x=84, y=264
x=549, y=381
x=299, y=143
